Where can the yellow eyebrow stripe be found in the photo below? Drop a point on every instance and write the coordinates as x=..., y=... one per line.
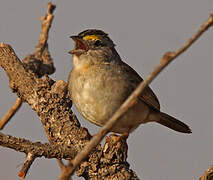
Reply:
x=91, y=37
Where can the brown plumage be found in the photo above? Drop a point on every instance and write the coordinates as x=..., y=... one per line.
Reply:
x=100, y=82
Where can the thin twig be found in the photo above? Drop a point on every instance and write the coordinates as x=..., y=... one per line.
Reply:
x=60, y=164
x=46, y=23
x=40, y=62
x=208, y=175
x=166, y=59
x=5, y=119
x=26, y=166
x=65, y=171
x=65, y=175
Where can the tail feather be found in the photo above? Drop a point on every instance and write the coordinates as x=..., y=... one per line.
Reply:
x=173, y=123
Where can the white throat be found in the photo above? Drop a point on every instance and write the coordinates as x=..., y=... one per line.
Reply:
x=79, y=61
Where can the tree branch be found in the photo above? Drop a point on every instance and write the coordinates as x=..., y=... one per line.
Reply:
x=208, y=175
x=37, y=149
x=6, y=118
x=40, y=62
x=52, y=104
x=26, y=166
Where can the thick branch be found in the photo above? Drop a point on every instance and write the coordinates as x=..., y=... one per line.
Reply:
x=53, y=106
x=39, y=62
x=36, y=148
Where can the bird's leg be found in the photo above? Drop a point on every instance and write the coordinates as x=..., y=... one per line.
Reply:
x=122, y=137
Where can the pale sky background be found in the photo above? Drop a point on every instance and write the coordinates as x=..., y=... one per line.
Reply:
x=142, y=30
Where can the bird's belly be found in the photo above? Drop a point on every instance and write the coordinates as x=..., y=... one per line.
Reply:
x=95, y=104
x=98, y=97
x=98, y=111
x=136, y=115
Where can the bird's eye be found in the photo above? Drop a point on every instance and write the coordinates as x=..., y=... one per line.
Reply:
x=97, y=43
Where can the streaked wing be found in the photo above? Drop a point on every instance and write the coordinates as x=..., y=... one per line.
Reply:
x=147, y=95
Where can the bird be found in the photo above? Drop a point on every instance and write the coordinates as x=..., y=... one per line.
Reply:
x=100, y=82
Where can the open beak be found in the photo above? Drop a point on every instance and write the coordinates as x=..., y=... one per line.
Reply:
x=80, y=45
x=75, y=38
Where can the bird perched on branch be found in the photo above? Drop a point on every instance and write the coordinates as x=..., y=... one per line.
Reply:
x=100, y=82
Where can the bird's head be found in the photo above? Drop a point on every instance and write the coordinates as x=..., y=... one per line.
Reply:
x=91, y=39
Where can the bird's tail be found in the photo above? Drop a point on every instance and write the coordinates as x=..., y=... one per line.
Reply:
x=172, y=123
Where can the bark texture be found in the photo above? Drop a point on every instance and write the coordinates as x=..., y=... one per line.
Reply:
x=53, y=106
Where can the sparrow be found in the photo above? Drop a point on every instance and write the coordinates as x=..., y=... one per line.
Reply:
x=100, y=82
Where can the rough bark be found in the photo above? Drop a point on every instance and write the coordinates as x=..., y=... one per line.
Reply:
x=53, y=106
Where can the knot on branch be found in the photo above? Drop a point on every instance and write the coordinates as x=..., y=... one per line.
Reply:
x=60, y=88
x=168, y=56
x=39, y=64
